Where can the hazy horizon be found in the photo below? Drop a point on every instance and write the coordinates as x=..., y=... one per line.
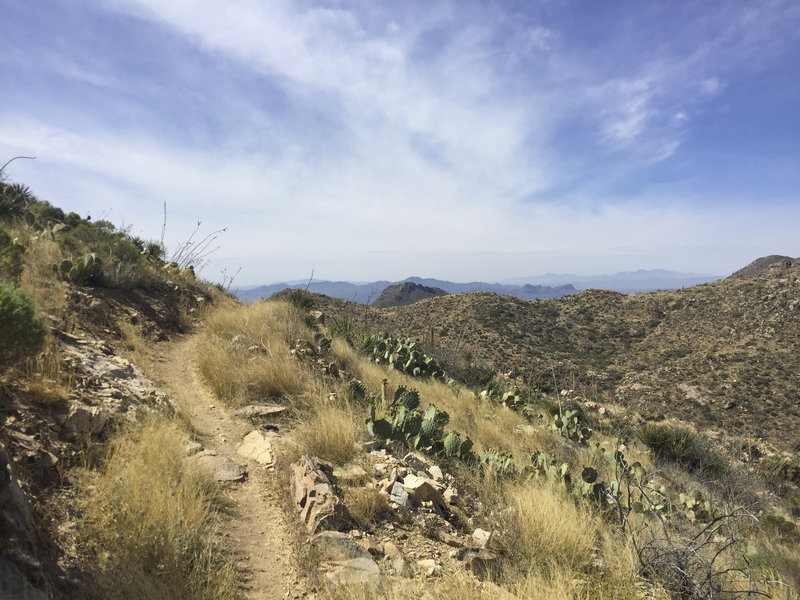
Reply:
x=465, y=141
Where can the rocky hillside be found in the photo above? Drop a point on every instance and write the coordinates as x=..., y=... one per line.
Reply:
x=406, y=293
x=722, y=356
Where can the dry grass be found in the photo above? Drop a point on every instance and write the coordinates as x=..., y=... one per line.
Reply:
x=39, y=278
x=331, y=432
x=549, y=532
x=151, y=522
x=244, y=354
x=365, y=504
x=133, y=342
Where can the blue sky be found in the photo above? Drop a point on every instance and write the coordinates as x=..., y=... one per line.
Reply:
x=378, y=140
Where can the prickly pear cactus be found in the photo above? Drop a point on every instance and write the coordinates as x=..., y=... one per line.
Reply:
x=356, y=390
x=452, y=444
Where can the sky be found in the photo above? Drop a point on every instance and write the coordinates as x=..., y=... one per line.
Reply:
x=462, y=140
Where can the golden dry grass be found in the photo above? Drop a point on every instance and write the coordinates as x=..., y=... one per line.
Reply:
x=244, y=354
x=330, y=432
x=151, y=521
x=364, y=504
x=549, y=532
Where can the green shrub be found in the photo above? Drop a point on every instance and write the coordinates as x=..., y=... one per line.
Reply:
x=21, y=333
x=683, y=447
x=10, y=258
x=14, y=200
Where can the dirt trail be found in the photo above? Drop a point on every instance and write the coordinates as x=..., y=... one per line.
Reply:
x=258, y=531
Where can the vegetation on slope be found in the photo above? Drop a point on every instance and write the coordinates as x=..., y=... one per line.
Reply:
x=137, y=521
x=607, y=515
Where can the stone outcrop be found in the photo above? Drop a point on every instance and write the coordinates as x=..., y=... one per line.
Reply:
x=314, y=497
x=18, y=549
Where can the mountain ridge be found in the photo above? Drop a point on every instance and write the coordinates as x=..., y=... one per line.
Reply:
x=527, y=288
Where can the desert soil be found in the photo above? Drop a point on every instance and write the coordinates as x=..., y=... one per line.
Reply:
x=260, y=534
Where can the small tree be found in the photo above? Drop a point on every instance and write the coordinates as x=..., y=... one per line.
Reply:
x=21, y=333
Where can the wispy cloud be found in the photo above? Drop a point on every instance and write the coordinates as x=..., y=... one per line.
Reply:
x=365, y=134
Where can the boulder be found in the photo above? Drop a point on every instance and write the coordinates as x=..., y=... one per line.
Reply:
x=258, y=446
x=399, y=495
x=422, y=489
x=483, y=564
x=350, y=472
x=314, y=496
x=220, y=467
x=347, y=561
x=481, y=537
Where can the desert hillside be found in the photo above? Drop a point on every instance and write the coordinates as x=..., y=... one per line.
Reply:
x=722, y=356
x=160, y=440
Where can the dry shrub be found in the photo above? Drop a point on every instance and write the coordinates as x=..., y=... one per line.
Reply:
x=152, y=525
x=331, y=433
x=39, y=278
x=244, y=354
x=133, y=341
x=365, y=504
x=548, y=531
x=460, y=586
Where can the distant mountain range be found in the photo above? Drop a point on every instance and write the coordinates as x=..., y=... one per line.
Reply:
x=627, y=282
x=526, y=288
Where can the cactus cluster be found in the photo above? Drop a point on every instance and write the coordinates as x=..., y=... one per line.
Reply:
x=418, y=430
x=553, y=469
x=569, y=426
x=697, y=507
x=80, y=273
x=356, y=390
x=403, y=355
x=501, y=463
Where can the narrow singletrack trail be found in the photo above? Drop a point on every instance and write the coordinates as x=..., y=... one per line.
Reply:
x=258, y=531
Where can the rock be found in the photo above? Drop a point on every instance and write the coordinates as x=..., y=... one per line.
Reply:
x=429, y=567
x=481, y=537
x=399, y=495
x=371, y=445
x=13, y=583
x=258, y=446
x=221, y=467
x=730, y=404
x=414, y=462
x=422, y=489
x=484, y=563
x=355, y=572
x=350, y=562
x=192, y=448
x=19, y=536
x=451, y=496
x=82, y=420
x=336, y=546
x=373, y=546
x=398, y=561
x=314, y=497
x=350, y=472
x=260, y=410
x=436, y=473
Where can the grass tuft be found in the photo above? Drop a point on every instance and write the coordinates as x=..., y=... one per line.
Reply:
x=152, y=524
